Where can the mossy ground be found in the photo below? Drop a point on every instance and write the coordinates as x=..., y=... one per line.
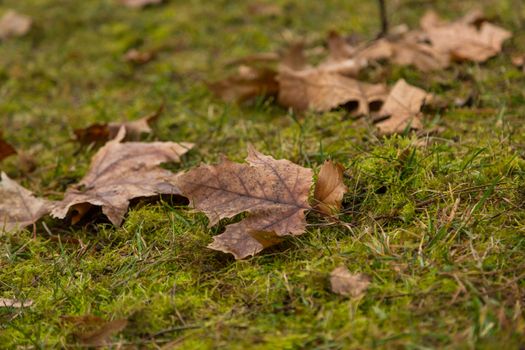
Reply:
x=441, y=277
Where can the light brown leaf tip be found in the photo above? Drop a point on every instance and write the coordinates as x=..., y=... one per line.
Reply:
x=345, y=283
x=120, y=172
x=273, y=192
x=19, y=207
x=329, y=188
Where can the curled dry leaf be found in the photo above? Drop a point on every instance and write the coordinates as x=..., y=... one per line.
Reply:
x=15, y=303
x=139, y=3
x=320, y=90
x=13, y=24
x=98, y=133
x=329, y=188
x=19, y=208
x=274, y=193
x=6, y=149
x=462, y=39
x=248, y=83
x=345, y=283
x=402, y=107
x=118, y=173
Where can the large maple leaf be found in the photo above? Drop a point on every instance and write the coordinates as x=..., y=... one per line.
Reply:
x=274, y=193
x=119, y=172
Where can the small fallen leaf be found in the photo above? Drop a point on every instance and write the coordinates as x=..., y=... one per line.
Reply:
x=13, y=24
x=320, y=91
x=402, y=106
x=19, y=207
x=15, y=303
x=138, y=57
x=329, y=188
x=139, y=3
x=345, y=283
x=6, y=149
x=98, y=133
x=118, y=173
x=462, y=39
x=274, y=193
x=102, y=335
x=248, y=83
x=264, y=9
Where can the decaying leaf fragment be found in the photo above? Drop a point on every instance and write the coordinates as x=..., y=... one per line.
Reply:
x=98, y=133
x=345, y=283
x=15, y=303
x=319, y=90
x=248, y=83
x=402, y=107
x=462, y=39
x=329, y=188
x=6, y=149
x=19, y=208
x=138, y=57
x=120, y=172
x=274, y=193
x=13, y=24
x=102, y=335
x=139, y=3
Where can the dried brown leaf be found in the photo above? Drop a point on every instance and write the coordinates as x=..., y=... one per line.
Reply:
x=102, y=335
x=139, y=3
x=13, y=24
x=19, y=207
x=274, y=193
x=248, y=83
x=264, y=9
x=462, y=40
x=320, y=90
x=6, y=149
x=345, y=283
x=403, y=106
x=98, y=133
x=15, y=303
x=342, y=57
x=138, y=57
x=329, y=188
x=120, y=172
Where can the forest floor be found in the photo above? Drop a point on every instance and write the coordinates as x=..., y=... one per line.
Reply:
x=440, y=229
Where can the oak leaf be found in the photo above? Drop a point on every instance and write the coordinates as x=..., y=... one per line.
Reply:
x=118, y=173
x=462, y=40
x=98, y=133
x=13, y=24
x=329, y=188
x=402, y=107
x=19, y=208
x=274, y=194
x=345, y=283
x=320, y=91
x=6, y=149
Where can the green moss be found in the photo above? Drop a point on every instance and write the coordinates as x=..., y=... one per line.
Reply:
x=439, y=229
